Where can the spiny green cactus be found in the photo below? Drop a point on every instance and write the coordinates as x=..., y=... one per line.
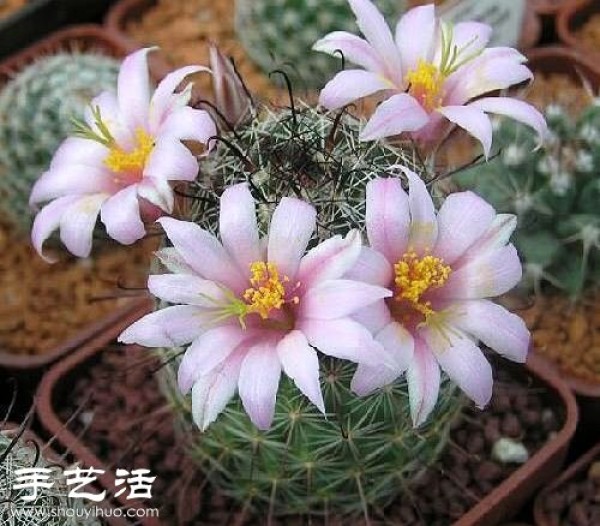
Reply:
x=365, y=452
x=36, y=110
x=14, y=510
x=279, y=34
x=555, y=192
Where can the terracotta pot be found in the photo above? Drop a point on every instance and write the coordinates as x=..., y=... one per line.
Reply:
x=573, y=471
x=499, y=505
x=570, y=19
x=56, y=383
x=549, y=7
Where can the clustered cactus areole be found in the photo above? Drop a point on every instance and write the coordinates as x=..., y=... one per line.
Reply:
x=279, y=34
x=14, y=510
x=554, y=191
x=36, y=111
x=365, y=451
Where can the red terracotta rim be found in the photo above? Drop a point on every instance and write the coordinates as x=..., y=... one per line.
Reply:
x=579, y=386
x=570, y=18
x=549, y=7
x=541, y=519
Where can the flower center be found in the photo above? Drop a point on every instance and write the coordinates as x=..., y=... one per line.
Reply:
x=415, y=276
x=119, y=160
x=267, y=292
x=426, y=84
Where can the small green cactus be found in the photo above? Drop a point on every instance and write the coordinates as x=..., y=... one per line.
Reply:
x=16, y=508
x=555, y=192
x=36, y=111
x=279, y=34
x=365, y=452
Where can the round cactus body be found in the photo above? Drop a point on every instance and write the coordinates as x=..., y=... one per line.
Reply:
x=279, y=34
x=36, y=111
x=364, y=452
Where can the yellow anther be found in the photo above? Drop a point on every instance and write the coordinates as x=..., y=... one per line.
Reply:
x=415, y=276
x=119, y=160
x=426, y=84
x=267, y=291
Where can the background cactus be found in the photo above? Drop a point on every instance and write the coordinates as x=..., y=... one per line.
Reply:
x=555, y=192
x=279, y=34
x=365, y=452
x=36, y=111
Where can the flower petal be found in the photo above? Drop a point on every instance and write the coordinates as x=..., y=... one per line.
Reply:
x=387, y=219
x=107, y=104
x=121, y=216
x=173, y=261
x=423, y=222
x=76, y=150
x=470, y=37
x=168, y=327
x=399, y=344
x=463, y=218
x=350, y=85
x=47, y=220
x=301, y=364
x=238, y=227
x=368, y=378
x=400, y=113
x=496, y=236
x=374, y=317
x=291, y=228
x=423, y=378
x=189, y=124
x=204, y=253
x=172, y=161
x=496, y=327
x=258, y=383
x=133, y=89
x=77, y=224
x=472, y=119
x=353, y=49
x=338, y=298
x=187, y=289
x=371, y=267
x=157, y=191
x=415, y=36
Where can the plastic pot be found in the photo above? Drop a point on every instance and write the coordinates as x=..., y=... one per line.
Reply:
x=570, y=19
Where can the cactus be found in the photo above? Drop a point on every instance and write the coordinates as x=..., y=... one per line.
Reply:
x=19, y=453
x=280, y=33
x=36, y=110
x=555, y=193
x=365, y=452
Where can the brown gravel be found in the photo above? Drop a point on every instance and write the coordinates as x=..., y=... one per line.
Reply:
x=557, y=88
x=589, y=33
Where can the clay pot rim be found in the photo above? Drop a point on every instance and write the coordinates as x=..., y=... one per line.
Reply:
x=545, y=7
x=552, y=452
x=564, y=54
x=572, y=471
x=563, y=25
x=579, y=386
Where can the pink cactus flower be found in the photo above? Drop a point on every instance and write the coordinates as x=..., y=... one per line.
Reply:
x=128, y=150
x=442, y=269
x=430, y=73
x=253, y=307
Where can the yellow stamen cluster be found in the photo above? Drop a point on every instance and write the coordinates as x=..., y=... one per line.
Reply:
x=426, y=84
x=415, y=276
x=267, y=291
x=119, y=160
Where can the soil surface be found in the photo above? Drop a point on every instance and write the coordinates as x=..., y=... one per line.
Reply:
x=125, y=421
x=589, y=33
x=558, y=88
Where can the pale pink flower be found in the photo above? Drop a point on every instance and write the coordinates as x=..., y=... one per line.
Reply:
x=121, y=166
x=253, y=307
x=429, y=72
x=442, y=268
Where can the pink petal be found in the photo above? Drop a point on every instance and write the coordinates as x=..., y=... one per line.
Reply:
x=350, y=85
x=463, y=218
x=353, y=49
x=76, y=150
x=172, y=161
x=158, y=192
x=368, y=378
x=372, y=24
x=258, y=383
x=471, y=37
x=121, y=216
x=238, y=227
x=423, y=222
x=77, y=224
x=496, y=327
x=172, y=261
x=212, y=392
x=423, y=378
x=400, y=113
x=300, y=363
x=207, y=352
x=387, y=221
x=133, y=89
x=338, y=298
x=472, y=119
x=371, y=267
x=108, y=106
x=415, y=36
x=515, y=109
x=187, y=289
x=204, y=253
x=374, y=317
x=291, y=228
x=464, y=363
x=330, y=259
x=168, y=327
x=496, y=236
x=48, y=220
x=71, y=179
x=189, y=124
